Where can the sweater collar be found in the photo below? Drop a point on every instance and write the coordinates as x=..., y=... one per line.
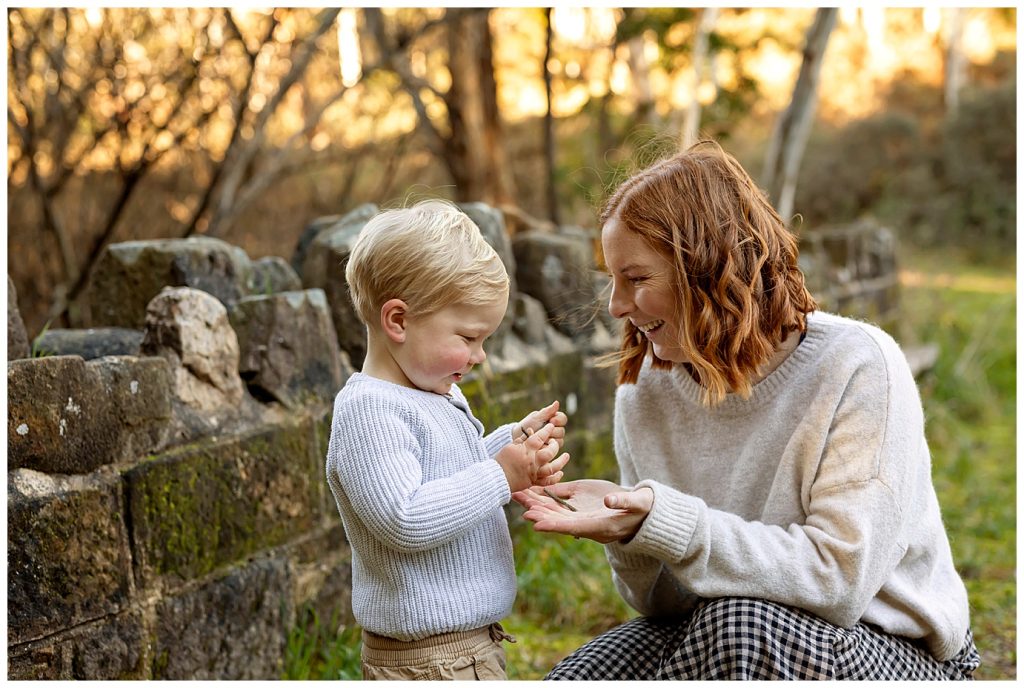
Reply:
x=768, y=388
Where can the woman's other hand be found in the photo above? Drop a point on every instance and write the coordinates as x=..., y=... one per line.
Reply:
x=605, y=512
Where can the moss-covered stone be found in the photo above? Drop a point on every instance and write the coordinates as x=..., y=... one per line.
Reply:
x=321, y=573
x=233, y=627
x=66, y=415
x=199, y=507
x=67, y=552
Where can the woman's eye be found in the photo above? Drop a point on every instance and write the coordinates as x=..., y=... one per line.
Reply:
x=637, y=280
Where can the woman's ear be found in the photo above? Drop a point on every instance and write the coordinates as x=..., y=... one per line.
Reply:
x=393, y=315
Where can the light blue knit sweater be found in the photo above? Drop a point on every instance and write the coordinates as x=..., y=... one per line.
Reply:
x=421, y=499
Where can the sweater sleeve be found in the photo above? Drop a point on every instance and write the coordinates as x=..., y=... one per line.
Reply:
x=377, y=462
x=833, y=563
x=640, y=578
x=498, y=439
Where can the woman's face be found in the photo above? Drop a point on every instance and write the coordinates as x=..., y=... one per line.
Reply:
x=643, y=289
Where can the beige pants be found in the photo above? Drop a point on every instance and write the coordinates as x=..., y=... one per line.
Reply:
x=460, y=656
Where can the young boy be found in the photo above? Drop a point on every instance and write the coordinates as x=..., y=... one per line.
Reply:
x=419, y=486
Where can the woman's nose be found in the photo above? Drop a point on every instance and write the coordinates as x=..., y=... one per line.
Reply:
x=618, y=305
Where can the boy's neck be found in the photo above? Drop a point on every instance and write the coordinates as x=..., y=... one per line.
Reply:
x=379, y=363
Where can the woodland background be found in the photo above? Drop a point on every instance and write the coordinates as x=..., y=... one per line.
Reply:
x=247, y=124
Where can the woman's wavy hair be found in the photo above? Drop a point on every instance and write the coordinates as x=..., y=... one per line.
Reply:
x=734, y=262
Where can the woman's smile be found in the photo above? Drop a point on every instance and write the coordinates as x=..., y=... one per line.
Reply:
x=650, y=327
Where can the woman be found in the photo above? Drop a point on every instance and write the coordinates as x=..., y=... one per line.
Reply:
x=776, y=517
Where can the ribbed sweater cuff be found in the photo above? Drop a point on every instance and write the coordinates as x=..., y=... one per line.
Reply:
x=498, y=439
x=496, y=483
x=669, y=527
x=619, y=556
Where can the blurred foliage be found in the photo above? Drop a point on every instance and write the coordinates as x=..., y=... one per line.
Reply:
x=945, y=182
x=970, y=401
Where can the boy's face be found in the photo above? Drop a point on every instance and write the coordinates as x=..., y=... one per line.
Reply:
x=441, y=348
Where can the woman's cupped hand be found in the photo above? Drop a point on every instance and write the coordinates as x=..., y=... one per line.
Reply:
x=604, y=512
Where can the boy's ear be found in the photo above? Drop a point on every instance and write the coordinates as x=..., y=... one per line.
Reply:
x=393, y=316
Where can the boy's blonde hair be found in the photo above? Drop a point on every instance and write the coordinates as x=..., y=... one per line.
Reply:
x=430, y=255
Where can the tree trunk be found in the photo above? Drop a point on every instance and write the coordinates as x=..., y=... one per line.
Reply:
x=466, y=148
x=691, y=123
x=498, y=171
x=640, y=70
x=956, y=63
x=549, y=124
x=782, y=161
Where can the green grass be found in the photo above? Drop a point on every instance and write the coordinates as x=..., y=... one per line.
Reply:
x=566, y=596
x=316, y=650
x=970, y=407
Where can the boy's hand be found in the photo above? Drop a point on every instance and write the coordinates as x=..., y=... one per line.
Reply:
x=532, y=461
x=538, y=419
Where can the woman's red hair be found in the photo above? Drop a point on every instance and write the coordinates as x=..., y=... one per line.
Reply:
x=740, y=290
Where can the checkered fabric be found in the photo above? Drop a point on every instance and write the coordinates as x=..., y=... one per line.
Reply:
x=740, y=638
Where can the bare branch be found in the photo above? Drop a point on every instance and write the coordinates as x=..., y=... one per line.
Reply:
x=399, y=62
x=300, y=60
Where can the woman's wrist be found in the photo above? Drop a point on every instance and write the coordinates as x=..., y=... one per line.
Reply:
x=645, y=506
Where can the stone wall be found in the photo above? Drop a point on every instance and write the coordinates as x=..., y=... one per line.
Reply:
x=168, y=513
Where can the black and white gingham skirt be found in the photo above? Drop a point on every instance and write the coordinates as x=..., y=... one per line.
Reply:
x=742, y=638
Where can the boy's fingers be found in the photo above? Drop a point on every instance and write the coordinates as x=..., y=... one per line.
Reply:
x=552, y=479
x=540, y=438
x=558, y=463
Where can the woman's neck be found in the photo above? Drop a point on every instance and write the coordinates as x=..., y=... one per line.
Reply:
x=783, y=351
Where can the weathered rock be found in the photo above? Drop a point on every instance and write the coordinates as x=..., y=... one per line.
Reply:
x=492, y=225
x=17, y=338
x=288, y=347
x=324, y=268
x=360, y=215
x=530, y=319
x=66, y=415
x=190, y=329
x=130, y=274
x=603, y=289
x=320, y=569
x=272, y=275
x=68, y=556
x=91, y=343
x=557, y=270
x=231, y=628
x=109, y=649
x=215, y=502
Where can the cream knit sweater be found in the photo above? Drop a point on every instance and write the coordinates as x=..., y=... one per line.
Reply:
x=815, y=492
x=421, y=500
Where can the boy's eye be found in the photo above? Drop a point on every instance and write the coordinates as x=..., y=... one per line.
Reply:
x=468, y=338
